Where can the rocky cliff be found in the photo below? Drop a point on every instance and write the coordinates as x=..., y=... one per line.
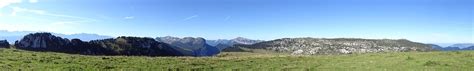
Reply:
x=136, y=46
x=42, y=41
x=311, y=46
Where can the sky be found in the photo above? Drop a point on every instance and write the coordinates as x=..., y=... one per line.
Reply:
x=427, y=21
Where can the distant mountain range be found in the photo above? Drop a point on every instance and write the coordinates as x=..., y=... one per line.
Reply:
x=190, y=46
x=455, y=47
x=17, y=35
x=462, y=45
x=93, y=44
x=224, y=43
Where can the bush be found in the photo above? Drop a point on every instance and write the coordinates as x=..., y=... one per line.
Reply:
x=410, y=58
x=431, y=63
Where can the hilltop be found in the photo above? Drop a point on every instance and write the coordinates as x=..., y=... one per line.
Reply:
x=312, y=46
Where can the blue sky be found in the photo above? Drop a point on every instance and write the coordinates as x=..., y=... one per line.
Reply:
x=429, y=21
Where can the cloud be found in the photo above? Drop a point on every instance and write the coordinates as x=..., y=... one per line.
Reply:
x=17, y=10
x=63, y=23
x=190, y=17
x=129, y=17
x=33, y=1
x=41, y=20
x=4, y=3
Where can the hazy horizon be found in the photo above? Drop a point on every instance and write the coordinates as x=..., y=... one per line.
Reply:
x=426, y=21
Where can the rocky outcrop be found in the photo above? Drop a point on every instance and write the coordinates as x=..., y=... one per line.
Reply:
x=136, y=46
x=190, y=46
x=42, y=41
x=312, y=46
x=4, y=44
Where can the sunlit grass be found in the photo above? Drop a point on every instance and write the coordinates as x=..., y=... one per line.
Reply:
x=402, y=61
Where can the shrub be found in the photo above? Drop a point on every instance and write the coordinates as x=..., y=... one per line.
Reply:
x=431, y=63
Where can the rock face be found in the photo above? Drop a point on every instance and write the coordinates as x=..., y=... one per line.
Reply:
x=239, y=40
x=136, y=46
x=42, y=41
x=4, y=44
x=190, y=46
x=312, y=46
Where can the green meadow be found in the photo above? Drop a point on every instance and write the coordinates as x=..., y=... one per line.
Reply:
x=15, y=59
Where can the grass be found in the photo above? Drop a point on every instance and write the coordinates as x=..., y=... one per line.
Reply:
x=15, y=59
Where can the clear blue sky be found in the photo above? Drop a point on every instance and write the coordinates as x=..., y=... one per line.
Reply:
x=429, y=21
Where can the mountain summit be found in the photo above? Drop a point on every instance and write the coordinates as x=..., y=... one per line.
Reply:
x=190, y=46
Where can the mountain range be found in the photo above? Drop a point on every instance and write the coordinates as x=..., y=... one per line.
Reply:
x=130, y=46
x=455, y=47
x=190, y=46
x=93, y=44
x=314, y=46
x=224, y=43
x=17, y=35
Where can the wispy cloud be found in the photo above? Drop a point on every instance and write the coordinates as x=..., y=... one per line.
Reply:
x=129, y=17
x=17, y=10
x=60, y=23
x=190, y=17
x=4, y=3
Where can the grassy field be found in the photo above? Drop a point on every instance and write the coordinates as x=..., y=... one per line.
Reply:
x=15, y=59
